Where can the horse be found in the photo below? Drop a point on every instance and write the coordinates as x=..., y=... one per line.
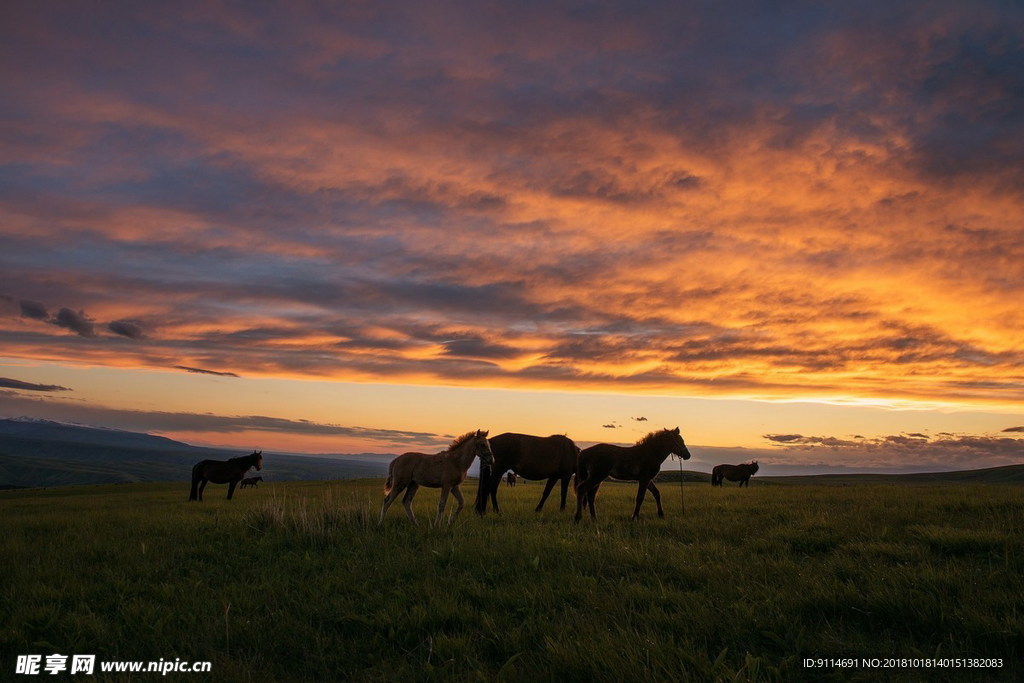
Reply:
x=640, y=463
x=530, y=457
x=444, y=470
x=251, y=481
x=510, y=479
x=740, y=473
x=228, y=472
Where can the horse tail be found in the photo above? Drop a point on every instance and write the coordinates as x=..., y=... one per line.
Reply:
x=194, y=493
x=581, y=471
x=391, y=478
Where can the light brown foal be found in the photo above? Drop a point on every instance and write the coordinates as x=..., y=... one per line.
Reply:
x=444, y=470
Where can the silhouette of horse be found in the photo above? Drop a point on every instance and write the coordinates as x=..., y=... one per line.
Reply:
x=740, y=473
x=640, y=463
x=228, y=472
x=530, y=457
x=444, y=470
x=251, y=481
x=510, y=479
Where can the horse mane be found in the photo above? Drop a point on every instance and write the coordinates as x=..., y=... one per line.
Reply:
x=651, y=437
x=462, y=439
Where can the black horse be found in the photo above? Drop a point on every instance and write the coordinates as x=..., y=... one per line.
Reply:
x=530, y=457
x=740, y=473
x=251, y=481
x=640, y=463
x=228, y=472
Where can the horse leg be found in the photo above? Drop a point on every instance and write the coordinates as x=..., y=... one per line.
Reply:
x=202, y=487
x=441, y=503
x=565, y=491
x=231, y=487
x=547, y=490
x=458, y=497
x=390, y=498
x=641, y=491
x=657, y=498
x=592, y=498
x=407, y=500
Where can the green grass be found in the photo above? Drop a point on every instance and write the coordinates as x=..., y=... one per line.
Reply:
x=297, y=582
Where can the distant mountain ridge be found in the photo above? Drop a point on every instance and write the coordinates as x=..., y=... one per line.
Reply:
x=35, y=452
x=51, y=430
x=47, y=453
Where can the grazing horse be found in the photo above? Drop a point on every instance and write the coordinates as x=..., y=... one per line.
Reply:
x=444, y=470
x=228, y=472
x=640, y=463
x=740, y=473
x=510, y=479
x=251, y=481
x=530, y=457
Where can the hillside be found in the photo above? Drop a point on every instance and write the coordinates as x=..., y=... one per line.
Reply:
x=1007, y=474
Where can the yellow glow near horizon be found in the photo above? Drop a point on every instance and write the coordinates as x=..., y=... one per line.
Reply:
x=448, y=411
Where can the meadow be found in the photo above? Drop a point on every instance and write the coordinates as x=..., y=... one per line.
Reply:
x=297, y=582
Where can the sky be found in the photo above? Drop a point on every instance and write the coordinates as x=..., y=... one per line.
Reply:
x=795, y=230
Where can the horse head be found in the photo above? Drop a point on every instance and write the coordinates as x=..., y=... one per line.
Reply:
x=678, y=447
x=482, y=448
x=259, y=460
x=753, y=466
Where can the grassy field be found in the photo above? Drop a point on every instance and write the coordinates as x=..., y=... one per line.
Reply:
x=297, y=582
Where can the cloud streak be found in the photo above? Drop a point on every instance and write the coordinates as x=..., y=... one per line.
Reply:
x=226, y=427
x=943, y=451
x=8, y=383
x=202, y=371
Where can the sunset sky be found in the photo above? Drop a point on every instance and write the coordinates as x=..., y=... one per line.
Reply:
x=795, y=229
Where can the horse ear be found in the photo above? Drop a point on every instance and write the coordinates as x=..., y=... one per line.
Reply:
x=676, y=430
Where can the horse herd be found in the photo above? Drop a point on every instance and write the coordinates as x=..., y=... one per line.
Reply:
x=555, y=459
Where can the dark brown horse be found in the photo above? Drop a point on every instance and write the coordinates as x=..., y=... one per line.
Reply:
x=530, y=457
x=251, y=481
x=444, y=470
x=740, y=473
x=640, y=463
x=228, y=472
x=510, y=479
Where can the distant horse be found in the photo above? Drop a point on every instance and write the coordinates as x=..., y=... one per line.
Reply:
x=530, y=457
x=510, y=479
x=444, y=470
x=251, y=481
x=740, y=473
x=640, y=463
x=228, y=472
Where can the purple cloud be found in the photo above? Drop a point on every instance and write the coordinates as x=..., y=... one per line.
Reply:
x=8, y=383
x=76, y=321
